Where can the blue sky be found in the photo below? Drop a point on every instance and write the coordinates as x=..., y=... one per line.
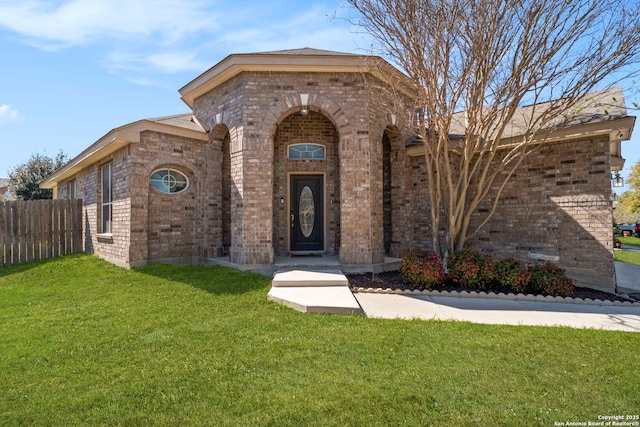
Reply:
x=70, y=71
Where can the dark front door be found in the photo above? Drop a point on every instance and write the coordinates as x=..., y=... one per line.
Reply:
x=307, y=213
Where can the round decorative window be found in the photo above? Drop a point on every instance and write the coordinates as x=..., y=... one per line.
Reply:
x=169, y=181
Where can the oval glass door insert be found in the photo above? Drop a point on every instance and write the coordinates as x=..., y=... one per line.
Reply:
x=306, y=211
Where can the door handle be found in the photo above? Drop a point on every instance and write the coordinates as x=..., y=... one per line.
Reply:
x=292, y=218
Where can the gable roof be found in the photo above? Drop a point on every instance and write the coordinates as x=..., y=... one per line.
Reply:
x=184, y=125
x=292, y=60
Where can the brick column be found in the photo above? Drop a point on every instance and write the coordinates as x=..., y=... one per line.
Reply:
x=361, y=209
x=252, y=209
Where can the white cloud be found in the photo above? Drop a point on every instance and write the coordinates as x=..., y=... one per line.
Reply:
x=173, y=36
x=79, y=22
x=318, y=26
x=167, y=62
x=8, y=114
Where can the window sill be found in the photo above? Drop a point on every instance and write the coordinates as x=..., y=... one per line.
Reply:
x=105, y=237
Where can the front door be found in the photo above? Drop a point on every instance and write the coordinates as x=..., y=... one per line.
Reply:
x=307, y=213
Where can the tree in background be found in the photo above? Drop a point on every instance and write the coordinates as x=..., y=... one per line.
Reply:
x=24, y=180
x=474, y=64
x=628, y=207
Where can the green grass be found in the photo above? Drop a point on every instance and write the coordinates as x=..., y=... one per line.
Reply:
x=630, y=257
x=83, y=342
x=635, y=241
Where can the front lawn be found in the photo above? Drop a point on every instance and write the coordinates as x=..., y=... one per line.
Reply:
x=630, y=257
x=87, y=343
x=635, y=241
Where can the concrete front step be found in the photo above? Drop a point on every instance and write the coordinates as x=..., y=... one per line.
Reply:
x=322, y=299
x=314, y=292
x=308, y=278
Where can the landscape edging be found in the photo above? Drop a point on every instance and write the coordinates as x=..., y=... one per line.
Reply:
x=500, y=295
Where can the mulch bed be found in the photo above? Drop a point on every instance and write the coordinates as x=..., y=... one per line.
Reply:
x=393, y=280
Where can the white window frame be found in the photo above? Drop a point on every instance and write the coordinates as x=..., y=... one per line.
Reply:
x=71, y=189
x=169, y=170
x=307, y=144
x=106, y=196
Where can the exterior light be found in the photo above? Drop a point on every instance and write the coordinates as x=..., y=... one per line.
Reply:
x=304, y=104
x=617, y=181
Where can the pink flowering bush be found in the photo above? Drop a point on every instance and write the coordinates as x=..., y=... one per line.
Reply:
x=548, y=278
x=471, y=270
x=476, y=271
x=512, y=274
x=422, y=270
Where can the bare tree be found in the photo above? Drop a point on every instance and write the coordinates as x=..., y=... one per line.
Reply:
x=474, y=64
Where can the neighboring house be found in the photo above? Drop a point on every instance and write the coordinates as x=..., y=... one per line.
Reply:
x=4, y=189
x=288, y=153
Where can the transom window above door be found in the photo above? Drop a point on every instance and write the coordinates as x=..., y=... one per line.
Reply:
x=307, y=151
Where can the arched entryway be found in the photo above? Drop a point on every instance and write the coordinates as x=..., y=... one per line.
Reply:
x=221, y=190
x=392, y=188
x=306, y=185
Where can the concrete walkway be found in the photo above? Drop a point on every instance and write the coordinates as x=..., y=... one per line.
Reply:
x=513, y=312
x=500, y=311
x=328, y=292
x=628, y=275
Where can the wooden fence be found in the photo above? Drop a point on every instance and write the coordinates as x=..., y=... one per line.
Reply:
x=39, y=229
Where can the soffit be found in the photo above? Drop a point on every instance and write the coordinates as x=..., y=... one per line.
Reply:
x=180, y=125
x=293, y=61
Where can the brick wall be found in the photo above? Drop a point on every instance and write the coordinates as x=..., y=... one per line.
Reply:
x=295, y=129
x=176, y=226
x=557, y=204
x=251, y=106
x=114, y=247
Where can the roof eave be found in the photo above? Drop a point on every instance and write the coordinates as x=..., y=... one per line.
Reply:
x=113, y=141
x=235, y=64
x=617, y=129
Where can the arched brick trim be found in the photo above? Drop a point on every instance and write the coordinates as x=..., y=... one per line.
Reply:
x=292, y=103
x=217, y=134
x=219, y=131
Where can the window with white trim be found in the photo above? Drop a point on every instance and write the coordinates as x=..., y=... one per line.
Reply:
x=71, y=190
x=307, y=151
x=169, y=181
x=107, y=199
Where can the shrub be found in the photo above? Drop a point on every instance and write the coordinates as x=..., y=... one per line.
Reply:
x=617, y=243
x=548, y=278
x=510, y=273
x=422, y=269
x=471, y=270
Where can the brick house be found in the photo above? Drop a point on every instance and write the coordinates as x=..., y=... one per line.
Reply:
x=287, y=152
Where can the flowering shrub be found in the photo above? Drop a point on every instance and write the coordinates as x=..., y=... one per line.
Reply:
x=471, y=269
x=510, y=273
x=548, y=278
x=422, y=269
